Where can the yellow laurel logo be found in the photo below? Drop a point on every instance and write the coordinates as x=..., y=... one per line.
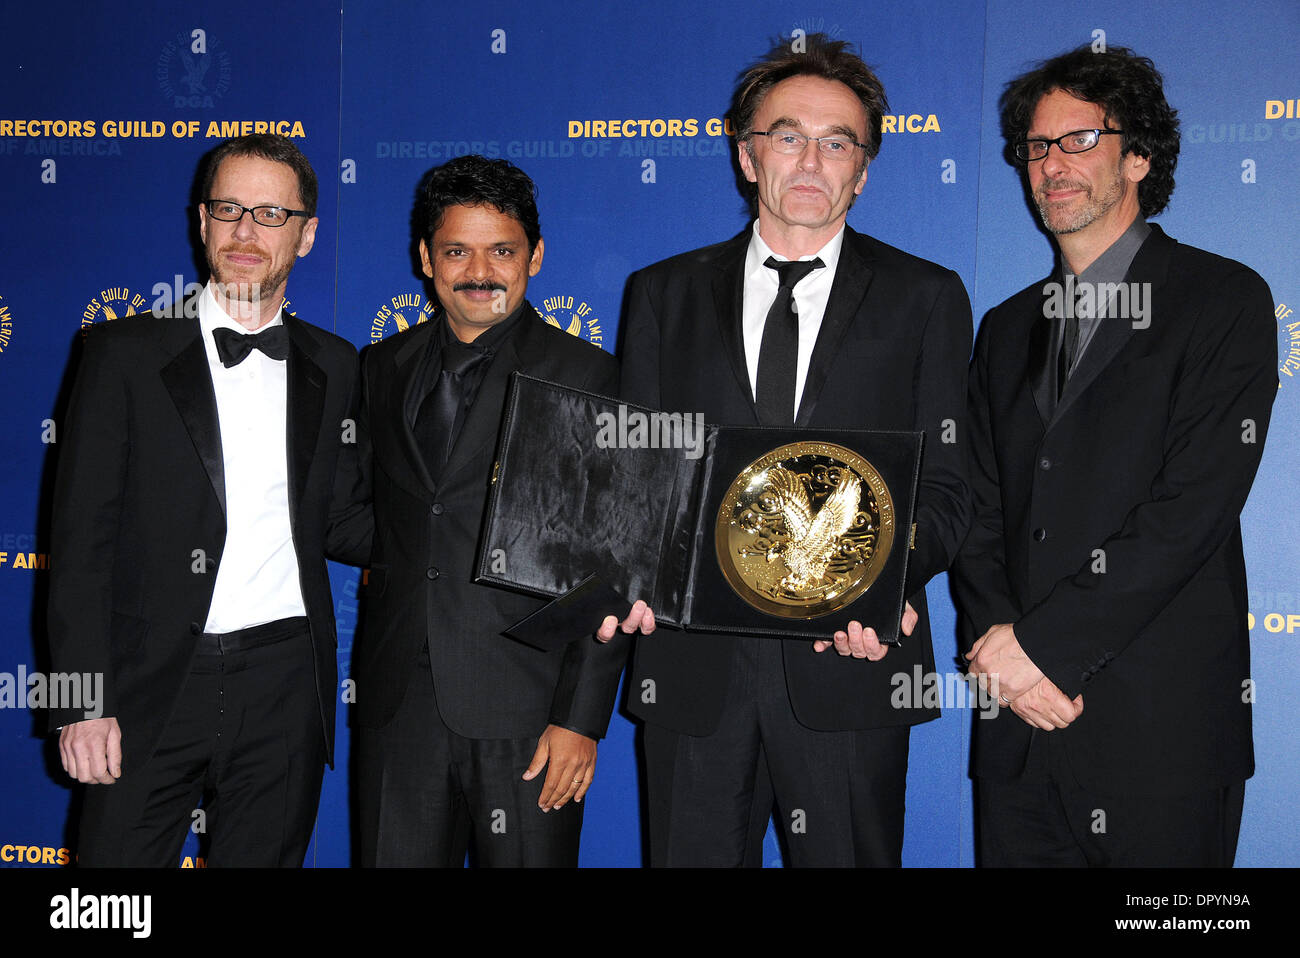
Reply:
x=112, y=303
x=400, y=313
x=6, y=325
x=1288, y=328
x=573, y=316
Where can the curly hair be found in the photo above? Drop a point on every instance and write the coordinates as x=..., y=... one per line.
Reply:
x=265, y=146
x=475, y=180
x=1130, y=91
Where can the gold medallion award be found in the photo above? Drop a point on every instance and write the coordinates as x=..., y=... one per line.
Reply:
x=804, y=530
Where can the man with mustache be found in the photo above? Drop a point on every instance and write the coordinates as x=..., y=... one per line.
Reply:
x=206, y=466
x=1118, y=411
x=799, y=320
x=465, y=733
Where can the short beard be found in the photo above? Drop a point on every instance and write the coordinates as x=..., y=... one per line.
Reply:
x=1089, y=212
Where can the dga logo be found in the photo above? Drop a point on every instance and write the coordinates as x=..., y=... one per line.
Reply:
x=399, y=314
x=560, y=312
x=112, y=303
x=1288, y=351
x=193, y=71
x=6, y=325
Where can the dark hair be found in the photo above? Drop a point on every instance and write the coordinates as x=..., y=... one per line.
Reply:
x=475, y=180
x=821, y=57
x=1130, y=91
x=267, y=146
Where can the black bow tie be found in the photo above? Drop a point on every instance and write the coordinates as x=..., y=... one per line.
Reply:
x=233, y=347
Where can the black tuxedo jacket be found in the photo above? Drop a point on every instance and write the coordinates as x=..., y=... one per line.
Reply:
x=139, y=511
x=1106, y=529
x=426, y=539
x=891, y=354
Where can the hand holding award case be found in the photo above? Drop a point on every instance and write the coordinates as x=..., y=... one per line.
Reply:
x=759, y=531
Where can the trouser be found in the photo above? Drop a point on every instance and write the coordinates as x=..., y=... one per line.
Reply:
x=840, y=795
x=245, y=737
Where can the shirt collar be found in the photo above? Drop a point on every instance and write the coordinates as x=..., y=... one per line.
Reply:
x=492, y=337
x=759, y=251
x=1112, y=265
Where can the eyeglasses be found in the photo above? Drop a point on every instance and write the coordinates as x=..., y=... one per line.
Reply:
x=229, y=212
x=790, y=143
x=1080, y=141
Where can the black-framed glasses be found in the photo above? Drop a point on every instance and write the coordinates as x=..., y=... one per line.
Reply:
x=790, y=143
x=1078, y=141
x=229, y=212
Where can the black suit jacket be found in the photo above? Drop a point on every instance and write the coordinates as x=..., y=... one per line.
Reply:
x=426, y=540
x=891, y=354
x=1107, y=529
x=139, y=506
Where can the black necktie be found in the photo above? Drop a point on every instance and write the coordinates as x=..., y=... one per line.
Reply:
x=233, y=348
x=439, y=418
x=778, y=355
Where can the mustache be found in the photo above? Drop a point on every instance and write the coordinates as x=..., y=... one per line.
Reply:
x=487, y=287
x=1049, y=185
x=243, y=249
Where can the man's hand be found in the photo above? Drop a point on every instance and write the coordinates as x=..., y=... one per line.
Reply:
x=92, y=750
x=998, y=652
x=1045, y=706
x=640, y=618
x=572, y=758
x=864, y=643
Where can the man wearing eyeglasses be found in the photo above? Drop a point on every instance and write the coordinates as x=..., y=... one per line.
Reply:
x=1118, y=411
x=205, y=470
x=798, y=321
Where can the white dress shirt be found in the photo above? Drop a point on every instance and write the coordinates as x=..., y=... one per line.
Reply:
x=257, y=575
x=810, y=297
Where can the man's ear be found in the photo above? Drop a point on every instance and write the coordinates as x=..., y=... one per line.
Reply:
x=308, y=237
x=1136, y=167
x=747, y=160
x=535, y=263
x=862, y=180
x=424, y=259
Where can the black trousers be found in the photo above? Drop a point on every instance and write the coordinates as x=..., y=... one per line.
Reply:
x=425, y=792
x=1049, y=820
x=840, y=796
x=245, y=739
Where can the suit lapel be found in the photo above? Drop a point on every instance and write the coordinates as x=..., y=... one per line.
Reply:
x=728, y=306
x=399, y=386
x=189, y=382
x=304, y=406
x=1151, y=263
x=853, y=275
x=1044, y=343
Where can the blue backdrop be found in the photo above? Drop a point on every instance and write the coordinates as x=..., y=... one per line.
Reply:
x=104, y=114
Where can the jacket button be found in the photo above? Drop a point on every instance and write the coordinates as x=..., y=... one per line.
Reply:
x=436, y=508
x=194, y=628
x=431, y=573
x=209, y=563
x=1044, y=463
x=1040, y=535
